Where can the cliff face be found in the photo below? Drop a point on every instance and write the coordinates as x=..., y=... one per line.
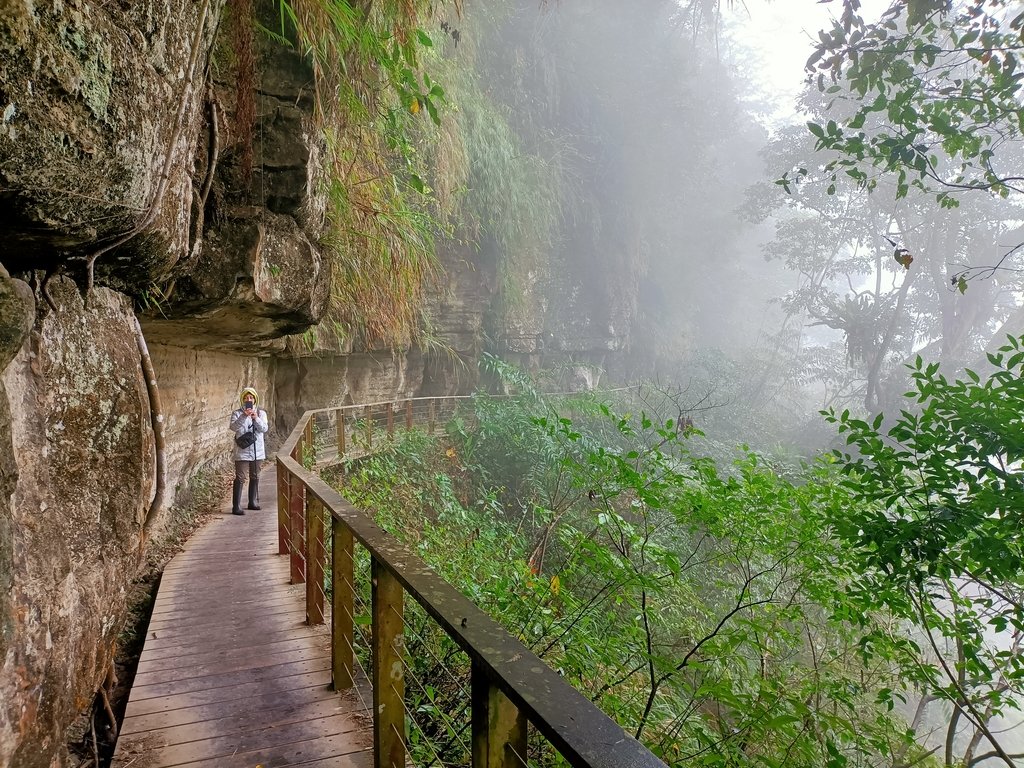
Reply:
x=124, y=197
x=97, y=135
x=104, y=139
x=122, y=193
x=98, y=129
x=77, y=420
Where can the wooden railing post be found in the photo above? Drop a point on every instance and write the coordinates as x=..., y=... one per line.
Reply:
x=498, y=727
x=340, y=421
x=368, y=418
x=308, y=447
x=431, y=416
x=314, y=560
x=390, y=410
x=408, y=415
x=342, y=606
x=282, y=508
x=388, y=672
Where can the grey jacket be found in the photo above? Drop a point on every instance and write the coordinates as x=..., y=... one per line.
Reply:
x=239, y=423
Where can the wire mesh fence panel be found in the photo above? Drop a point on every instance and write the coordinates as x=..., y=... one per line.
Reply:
x=324, y=435
x=437, y=693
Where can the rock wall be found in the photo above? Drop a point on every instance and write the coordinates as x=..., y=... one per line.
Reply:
x=79, y=417
x=110, y=131
x=303, y=383
x=109, y=134
x=17, y=310
x=328, y=375
x=101, y=112
x=99, y=118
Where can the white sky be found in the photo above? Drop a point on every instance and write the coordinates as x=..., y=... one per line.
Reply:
x=781, y=37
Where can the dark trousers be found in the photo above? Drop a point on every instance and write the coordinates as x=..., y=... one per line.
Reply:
x=243, y=470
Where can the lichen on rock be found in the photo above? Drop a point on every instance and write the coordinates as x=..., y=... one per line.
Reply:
x=78, y=416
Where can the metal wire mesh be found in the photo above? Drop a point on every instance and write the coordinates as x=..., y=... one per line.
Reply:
x=539, y=752
x=521, y=759
x=436, y=687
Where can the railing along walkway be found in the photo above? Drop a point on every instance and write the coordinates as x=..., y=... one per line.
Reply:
x=231, y=674
x=509, y=694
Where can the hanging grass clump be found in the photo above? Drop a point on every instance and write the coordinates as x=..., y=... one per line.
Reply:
x=381, y=219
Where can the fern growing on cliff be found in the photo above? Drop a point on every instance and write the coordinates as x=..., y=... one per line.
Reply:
x=397, y=176
x=380, y=220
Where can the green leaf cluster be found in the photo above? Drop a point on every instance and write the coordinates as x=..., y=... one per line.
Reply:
x=939, y=534
x=931, y=95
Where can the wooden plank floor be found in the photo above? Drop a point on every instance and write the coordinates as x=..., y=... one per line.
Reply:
x=230, y=675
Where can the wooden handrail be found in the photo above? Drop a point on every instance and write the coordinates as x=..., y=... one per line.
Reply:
x=510, y=685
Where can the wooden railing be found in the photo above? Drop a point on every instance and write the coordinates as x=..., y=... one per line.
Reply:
x=509, y=685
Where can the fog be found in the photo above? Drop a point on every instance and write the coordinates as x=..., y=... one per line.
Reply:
x=660, y=129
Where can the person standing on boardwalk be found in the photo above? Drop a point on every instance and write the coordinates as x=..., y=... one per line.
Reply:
x=249, y=424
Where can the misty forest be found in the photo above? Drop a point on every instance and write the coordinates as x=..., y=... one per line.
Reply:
x=738, y=449
x=796, y=540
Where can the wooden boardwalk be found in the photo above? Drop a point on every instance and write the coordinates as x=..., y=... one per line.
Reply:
x=230, y=675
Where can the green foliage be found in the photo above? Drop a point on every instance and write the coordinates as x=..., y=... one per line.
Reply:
x=705, y=612
x=416, y=487
x=726, y=585
x=938, y=537
x=947, y=475
x=937, y=90
x=397, y=176
x=370, y=91
x=733, y=615
x=154, y=296
x=505, y=192
x=515, y=195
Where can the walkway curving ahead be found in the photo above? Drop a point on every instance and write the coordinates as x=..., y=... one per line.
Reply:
x=230, y=675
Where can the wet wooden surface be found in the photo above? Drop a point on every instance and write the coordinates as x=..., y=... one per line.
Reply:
x=230, y=675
